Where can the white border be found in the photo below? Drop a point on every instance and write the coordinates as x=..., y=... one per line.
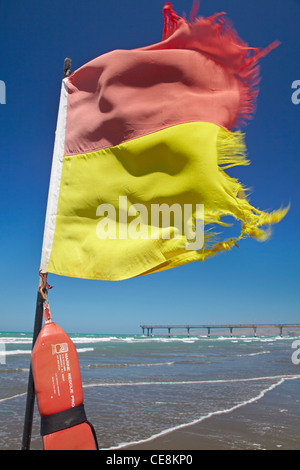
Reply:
x=55, y=178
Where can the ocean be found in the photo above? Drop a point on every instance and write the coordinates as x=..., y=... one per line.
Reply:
x=137, y=388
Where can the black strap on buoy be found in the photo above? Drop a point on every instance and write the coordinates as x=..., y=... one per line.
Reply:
x=63, y=420
x=66, y=419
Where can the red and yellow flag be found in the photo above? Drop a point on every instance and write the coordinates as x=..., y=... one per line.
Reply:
x=143, y=139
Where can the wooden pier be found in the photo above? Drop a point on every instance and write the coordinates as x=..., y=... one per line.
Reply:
x=207, y=327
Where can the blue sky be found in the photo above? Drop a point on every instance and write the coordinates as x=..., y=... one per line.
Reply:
x=257, y=283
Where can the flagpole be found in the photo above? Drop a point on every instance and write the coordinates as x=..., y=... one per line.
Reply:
x=42, y=289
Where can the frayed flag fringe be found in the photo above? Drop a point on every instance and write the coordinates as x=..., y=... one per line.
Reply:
x=217, y=37
x=231, y=151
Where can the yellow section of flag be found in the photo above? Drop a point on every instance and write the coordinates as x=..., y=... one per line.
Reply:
x=141, y=206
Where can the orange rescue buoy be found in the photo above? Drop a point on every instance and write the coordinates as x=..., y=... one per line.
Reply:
x=58, y=387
